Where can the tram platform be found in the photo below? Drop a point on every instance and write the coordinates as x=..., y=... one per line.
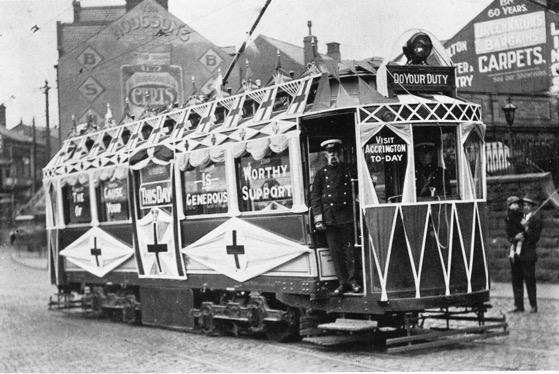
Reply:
x=498, y=289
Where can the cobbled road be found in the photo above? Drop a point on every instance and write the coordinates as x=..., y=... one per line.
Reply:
x=33, y=339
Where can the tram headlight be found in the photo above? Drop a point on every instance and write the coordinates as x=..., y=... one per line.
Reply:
x=418, y=48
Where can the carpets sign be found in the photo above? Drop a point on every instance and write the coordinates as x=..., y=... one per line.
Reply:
x=507, y=48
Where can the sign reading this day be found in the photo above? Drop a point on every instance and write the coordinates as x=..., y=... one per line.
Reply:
x=156, y=194
x=156, y=187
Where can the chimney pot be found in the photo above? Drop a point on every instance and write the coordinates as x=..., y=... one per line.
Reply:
x=334, y=50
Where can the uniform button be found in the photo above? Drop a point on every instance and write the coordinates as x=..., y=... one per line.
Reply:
x=328, y=186
x=345, y=184
x=326, y=177
x=345, y=193
x=329, y=195
x=345, y=203
x=331, y=204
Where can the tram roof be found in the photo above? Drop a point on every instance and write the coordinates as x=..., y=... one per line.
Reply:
x=276, y=110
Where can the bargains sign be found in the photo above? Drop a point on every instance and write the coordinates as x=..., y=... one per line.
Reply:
x=507, y=48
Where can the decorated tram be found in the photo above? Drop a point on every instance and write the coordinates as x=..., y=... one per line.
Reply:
x=197, y=218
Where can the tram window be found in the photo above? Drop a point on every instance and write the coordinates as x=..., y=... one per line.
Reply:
x=248, y=109
x=205, y=189
x=435, y=162
x=265, y=184
x=472, y=150
x=113, y=200
x=386, y=155
x=281, y=102
x=76, y=203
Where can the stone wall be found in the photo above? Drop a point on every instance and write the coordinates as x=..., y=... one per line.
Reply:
x=541, y=186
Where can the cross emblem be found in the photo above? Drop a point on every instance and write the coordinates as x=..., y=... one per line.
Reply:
x=235, y=110
x=264, y=106
x=300, y=98
x=204, y=122
x=156, y=247
x=235, y=249
x=96, y=251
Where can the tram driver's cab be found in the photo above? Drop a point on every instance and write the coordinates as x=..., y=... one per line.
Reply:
x=434, y=162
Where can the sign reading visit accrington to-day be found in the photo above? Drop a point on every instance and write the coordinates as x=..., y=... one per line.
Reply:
x=511, y=46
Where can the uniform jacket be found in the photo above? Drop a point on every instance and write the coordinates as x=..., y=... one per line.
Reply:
x=531, y=237
x=331, y=196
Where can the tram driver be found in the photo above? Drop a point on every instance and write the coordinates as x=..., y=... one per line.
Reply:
x=332, y=208
x=430, y=179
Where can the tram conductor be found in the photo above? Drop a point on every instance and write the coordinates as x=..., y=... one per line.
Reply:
x=430, y=178
x=332, y=208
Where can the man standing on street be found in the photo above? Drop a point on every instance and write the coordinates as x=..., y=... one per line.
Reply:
x=523, y=269
x=332, y=207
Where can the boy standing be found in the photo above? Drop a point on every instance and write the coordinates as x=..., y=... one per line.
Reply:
x=514, y=226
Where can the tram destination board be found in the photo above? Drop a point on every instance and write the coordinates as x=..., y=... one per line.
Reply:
x=414, y=78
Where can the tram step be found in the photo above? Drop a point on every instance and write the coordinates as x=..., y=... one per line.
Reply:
x=352, y=325
x=331, y=340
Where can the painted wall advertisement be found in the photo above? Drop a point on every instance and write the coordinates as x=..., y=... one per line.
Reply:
x=151, y=81
x=511, y=46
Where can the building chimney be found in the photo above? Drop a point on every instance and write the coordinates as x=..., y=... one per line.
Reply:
x=132, y=3
x=2, y=115
x=334, y=51
x=308, y=45
x=77, y=8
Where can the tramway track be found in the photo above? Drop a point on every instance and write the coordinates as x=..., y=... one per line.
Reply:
x=136, y=342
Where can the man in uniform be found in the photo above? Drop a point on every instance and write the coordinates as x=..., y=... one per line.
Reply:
x=428, y=176
x=332, y=208
x=523, y=270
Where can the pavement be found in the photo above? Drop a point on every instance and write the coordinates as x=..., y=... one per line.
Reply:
x=498, y=289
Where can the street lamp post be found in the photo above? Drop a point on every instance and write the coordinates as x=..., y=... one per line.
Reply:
x=510, y=110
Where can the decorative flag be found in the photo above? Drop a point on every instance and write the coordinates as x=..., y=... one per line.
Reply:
x=242, y=251
x=97, y=252
x=300, y=99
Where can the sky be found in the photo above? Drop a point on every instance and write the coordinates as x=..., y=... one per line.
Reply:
x=364, y=28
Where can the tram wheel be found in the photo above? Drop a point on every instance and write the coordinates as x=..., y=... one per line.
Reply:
x=286, y=330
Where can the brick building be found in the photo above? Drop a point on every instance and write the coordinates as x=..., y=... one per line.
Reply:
x=22, y=156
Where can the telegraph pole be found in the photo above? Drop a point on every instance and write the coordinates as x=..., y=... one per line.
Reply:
x=34, y=160
x=47, y=88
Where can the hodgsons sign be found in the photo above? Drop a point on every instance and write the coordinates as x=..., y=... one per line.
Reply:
x=508, y=47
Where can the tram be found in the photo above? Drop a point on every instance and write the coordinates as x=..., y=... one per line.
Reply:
x=198, y=218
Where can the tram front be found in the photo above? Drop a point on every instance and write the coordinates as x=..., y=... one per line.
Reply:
x=422, y=186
